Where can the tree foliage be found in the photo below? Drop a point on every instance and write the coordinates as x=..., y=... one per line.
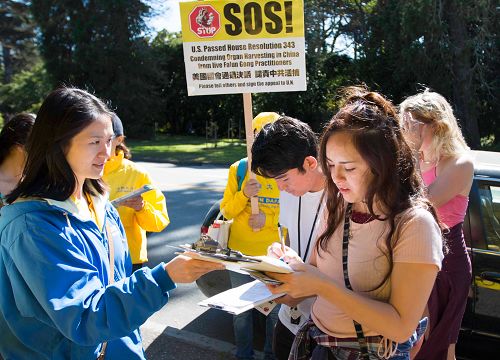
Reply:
x=22, y=74
x=179, y=112
x=26, y=91
x=394, y=46
x=450, y=46
x=17, y=38
x=100, y=45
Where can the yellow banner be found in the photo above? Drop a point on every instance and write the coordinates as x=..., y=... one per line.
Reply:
x=237, y=20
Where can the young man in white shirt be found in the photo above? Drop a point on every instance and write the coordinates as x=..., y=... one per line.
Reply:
x=287, y=151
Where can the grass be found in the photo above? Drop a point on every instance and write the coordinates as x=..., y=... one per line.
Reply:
x=187, y=150
x=182, y=149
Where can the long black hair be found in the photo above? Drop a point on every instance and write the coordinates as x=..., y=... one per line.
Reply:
x=64, y=113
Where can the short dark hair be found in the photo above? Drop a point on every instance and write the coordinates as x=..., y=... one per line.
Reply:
x=283, y=145
x=15, y=133
x=64, y=113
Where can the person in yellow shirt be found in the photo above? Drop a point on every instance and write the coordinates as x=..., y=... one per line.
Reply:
x=146, y=212
x=251, y=234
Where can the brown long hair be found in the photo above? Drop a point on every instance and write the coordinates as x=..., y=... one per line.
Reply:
x=371, y=121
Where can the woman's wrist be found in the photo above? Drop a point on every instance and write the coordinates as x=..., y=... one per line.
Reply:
x=324, y=286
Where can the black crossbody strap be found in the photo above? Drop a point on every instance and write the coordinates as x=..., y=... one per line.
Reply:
x=345, y=246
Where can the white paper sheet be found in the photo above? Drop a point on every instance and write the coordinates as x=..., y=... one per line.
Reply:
x=241, y=298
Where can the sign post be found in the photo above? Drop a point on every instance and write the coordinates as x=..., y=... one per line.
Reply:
x=247, y=110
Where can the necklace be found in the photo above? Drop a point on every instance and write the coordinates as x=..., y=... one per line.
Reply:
x=361, y=218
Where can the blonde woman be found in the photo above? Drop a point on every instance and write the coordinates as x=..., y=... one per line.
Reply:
x=447, y=170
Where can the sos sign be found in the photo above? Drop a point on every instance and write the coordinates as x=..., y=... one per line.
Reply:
x=253, y=18
x=204, y=21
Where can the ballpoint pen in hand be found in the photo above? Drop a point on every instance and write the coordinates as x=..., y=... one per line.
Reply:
x=282, y=239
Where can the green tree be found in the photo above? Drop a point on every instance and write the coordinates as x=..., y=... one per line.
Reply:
x=447, y=45
x=181, y=113
x=26, y=91
x=100, y=45
x=327, y=68
x=17, y=38
x=399, y=46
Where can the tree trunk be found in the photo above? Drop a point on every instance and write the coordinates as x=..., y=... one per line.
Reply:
x=7, y=64
x=463, y=86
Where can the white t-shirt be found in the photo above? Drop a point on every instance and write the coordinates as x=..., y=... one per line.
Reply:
x=289, y=214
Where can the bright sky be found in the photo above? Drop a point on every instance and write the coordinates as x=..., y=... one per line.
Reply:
x=168, y=16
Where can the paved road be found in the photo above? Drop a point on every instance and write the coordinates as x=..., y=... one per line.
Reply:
x=182, y=329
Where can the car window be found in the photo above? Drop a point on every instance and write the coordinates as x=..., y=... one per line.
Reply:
x=490, y=213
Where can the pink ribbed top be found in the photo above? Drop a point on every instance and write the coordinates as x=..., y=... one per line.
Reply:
x=453, y=212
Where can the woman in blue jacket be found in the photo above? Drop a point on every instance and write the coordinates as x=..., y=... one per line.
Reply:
x=61, y=297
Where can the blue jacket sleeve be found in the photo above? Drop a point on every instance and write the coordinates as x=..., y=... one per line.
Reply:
x=64, y=269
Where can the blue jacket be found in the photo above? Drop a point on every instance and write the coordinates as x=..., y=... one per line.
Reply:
x=55, y=301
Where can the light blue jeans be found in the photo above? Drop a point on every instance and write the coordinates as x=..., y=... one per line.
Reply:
x=243, y=326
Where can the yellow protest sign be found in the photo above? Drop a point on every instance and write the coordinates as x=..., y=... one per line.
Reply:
x=229, y=20
x=243, y=46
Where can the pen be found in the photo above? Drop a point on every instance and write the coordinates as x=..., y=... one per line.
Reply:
x=282, y=240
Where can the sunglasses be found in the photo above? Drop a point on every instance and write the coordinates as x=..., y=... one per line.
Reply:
x=410, y=123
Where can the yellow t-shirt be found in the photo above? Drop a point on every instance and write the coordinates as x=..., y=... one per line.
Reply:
x=235, y=205
x=85, y=207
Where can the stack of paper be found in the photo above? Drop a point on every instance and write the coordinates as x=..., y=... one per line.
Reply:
x=241, y=299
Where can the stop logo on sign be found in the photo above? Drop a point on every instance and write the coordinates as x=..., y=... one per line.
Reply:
x=204, y=21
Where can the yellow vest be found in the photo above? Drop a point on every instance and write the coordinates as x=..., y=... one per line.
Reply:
x=123, y=176
x=235, y=205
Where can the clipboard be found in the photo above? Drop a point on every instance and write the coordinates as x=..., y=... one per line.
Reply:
x=258, y=275
x=116, y=202
x=256, y=263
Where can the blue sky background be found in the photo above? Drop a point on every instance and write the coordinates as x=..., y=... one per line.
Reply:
x=167, y=16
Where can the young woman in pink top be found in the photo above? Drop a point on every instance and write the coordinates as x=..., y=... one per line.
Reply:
x=375, y=264
x=447, y=170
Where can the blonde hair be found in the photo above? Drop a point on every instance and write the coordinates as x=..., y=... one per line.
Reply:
x=432, y=109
